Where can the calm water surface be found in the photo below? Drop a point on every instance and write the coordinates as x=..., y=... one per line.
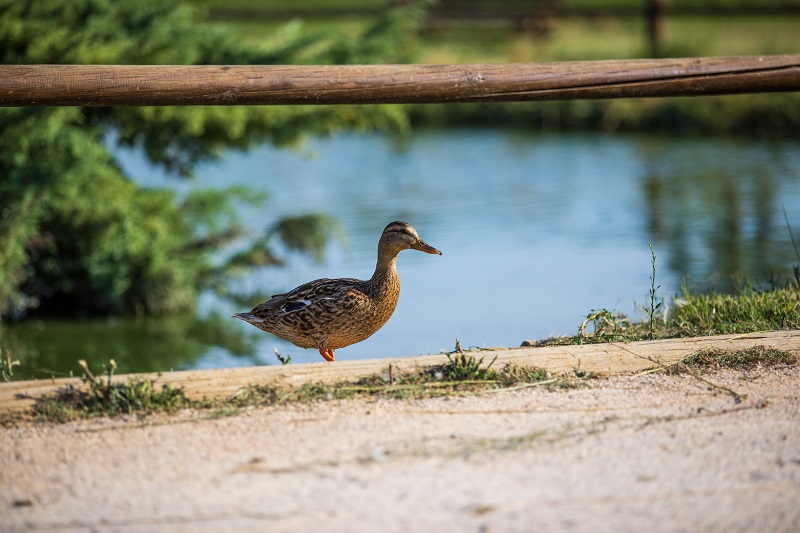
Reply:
x=536, y=231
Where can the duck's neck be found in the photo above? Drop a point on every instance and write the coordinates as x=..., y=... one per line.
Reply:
x=385, y=277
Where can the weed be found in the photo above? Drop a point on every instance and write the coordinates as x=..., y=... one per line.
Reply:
x=747, y=359
x=512, y=374
x=463, y=367
x=106, y=398
x=261, y=395
x=462, y=373
x=654, y=304
x=284, y=359
x=10, y=420
x=7, y=366
x=606, y=326
x=63, y=406
x=459, y=349
x=583, y=374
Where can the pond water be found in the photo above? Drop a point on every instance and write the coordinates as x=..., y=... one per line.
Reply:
x=535, y=230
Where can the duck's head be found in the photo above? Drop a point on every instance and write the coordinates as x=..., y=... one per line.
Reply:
x=399, y=236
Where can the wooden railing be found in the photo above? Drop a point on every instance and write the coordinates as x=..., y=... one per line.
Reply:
x=146, y=85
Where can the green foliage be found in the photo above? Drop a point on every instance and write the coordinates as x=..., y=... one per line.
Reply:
x=305, y=233
x=393, y=34
x=80, y=236
x=106, y=397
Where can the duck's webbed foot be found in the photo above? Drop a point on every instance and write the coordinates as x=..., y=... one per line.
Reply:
x=327, y=354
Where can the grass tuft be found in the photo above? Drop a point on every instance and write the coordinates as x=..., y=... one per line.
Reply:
x=7, y=366
x=695, y=315
x=747, y=359
x=746, y=312
x=464, y=367
x=462, y=374
x=284, y=359
x=107, y=398
x=512, y=374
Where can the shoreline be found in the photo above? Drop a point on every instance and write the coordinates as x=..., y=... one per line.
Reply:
x=603, y=358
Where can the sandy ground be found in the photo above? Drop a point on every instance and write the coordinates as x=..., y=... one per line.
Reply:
x=627, y=453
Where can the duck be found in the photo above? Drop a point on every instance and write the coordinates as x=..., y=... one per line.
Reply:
x=328, y=314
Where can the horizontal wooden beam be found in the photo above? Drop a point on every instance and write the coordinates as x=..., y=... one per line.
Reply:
x=159, y=85
x=606, y=358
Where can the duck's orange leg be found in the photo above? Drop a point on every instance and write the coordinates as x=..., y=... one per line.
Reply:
x=327, y=354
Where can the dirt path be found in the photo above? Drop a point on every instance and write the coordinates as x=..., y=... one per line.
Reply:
x=628, y=453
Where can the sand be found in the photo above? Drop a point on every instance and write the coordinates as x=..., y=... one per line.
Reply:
x=626, y=453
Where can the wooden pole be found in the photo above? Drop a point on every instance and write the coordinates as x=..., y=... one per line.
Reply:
x=151, y=85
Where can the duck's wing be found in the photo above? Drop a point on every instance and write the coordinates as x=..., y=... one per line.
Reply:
x=314, y=293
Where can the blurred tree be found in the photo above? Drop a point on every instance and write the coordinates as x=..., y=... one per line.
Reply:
x=77, y=234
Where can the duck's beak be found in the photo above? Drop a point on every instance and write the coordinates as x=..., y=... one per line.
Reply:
x=423, y=246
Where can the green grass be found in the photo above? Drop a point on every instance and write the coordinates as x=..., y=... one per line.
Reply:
x=300, y=5
x=105, y=397
x=136, y=396
x=462, y=374
x=772, y=115
x=313, y=5
x=694, y=315
x=748, y=359
x=749, y=311
x=604, y=37
x=572, y=39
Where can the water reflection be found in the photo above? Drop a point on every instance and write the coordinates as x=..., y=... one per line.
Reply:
x=53, y=347
x=536, y=231
x=719, y=211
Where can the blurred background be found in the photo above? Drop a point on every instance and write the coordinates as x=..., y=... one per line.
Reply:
x=134, y=233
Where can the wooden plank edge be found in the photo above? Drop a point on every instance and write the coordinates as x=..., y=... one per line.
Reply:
x=605, y=358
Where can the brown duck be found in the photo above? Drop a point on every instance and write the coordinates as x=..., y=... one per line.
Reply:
x=328, y=314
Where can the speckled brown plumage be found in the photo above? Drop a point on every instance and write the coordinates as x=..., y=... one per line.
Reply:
x=328, y=314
